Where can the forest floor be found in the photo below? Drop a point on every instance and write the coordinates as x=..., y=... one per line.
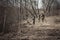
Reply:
x=48, y=30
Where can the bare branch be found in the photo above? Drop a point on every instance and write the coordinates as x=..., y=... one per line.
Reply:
x=33, y=8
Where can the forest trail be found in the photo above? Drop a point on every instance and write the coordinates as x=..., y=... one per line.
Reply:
x=49, y=21
x=42, y=31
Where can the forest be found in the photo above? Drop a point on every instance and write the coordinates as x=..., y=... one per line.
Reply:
x=29, y=19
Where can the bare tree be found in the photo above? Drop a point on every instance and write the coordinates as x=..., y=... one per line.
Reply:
x=33, y=12
x=47, y=5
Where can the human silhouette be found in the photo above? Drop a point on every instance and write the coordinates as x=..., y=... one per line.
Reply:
x=34, y=20
x=43, y=17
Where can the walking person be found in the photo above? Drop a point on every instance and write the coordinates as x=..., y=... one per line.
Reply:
x=43, y=17
x=34, y=20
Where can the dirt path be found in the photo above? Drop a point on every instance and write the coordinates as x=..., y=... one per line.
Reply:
x=42, y=31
